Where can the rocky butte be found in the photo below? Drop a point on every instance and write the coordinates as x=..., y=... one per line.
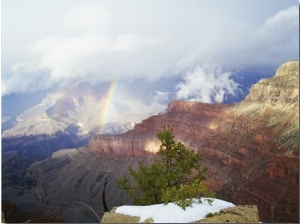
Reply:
x=251, y=150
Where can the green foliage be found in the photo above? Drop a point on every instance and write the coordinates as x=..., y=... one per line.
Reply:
x=148, y=184
x=176, y=176
x=212, y=214
x=184, y=195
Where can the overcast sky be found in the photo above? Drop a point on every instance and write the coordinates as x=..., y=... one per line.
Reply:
x=200, y=43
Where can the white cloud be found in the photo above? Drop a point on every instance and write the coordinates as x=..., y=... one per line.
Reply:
x=206, y=85
x=87, y=16
x=134, y=109
x=101, y=41
x=136, y=42
x=91, y=57
x=289, y=16
x=241, y=44
x=160, y=97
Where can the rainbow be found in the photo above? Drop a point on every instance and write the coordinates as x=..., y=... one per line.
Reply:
x=61, y=104
x=107, y=105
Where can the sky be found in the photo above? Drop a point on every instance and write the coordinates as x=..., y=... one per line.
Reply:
x=172, y=213
x=188, y=50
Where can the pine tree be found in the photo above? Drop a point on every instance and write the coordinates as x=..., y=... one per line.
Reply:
x=176, y=176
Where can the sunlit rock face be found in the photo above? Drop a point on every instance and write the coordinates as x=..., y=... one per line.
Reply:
x=251, y=150
x=281, y=91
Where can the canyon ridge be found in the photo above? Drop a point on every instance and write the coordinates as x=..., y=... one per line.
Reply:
x=251, y=150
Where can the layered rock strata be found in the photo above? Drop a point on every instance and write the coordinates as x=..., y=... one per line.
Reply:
x=250, y=148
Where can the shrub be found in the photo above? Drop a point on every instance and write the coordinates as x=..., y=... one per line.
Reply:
x=176, y=176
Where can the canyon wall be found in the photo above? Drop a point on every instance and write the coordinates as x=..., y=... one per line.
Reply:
x=250, y=148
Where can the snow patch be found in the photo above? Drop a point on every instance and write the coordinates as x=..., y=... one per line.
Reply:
x=172, y=213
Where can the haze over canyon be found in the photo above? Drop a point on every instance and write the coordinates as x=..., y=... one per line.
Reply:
x=87, y=84
x=58, y=167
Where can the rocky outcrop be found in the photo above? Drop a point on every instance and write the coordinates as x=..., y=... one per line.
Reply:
x=277, y=101
x=280, y=91
x=238, y=214
x=113, y=217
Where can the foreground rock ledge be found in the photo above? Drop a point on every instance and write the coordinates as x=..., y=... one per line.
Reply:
x=238, y=214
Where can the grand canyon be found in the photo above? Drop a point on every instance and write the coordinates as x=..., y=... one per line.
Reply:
x=251, y=150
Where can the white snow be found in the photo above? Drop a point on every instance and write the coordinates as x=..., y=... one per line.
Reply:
x=172, y=213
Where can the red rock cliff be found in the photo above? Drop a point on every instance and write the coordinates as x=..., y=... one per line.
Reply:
x=250, y=148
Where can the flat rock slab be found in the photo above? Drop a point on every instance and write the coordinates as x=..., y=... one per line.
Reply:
x=238, y=214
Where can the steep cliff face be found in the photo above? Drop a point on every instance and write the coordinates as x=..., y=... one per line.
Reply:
x=250, y=148
x=280, y=91
x=180, y=116
x=270, y=177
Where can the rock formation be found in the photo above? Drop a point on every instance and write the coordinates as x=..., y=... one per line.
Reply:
x=250, y=148
x=238, y=214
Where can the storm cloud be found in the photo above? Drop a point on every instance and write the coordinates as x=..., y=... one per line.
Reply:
x=200, y=42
